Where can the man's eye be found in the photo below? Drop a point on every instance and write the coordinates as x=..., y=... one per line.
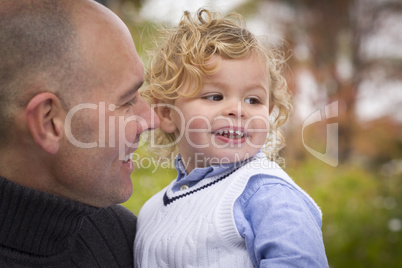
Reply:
x=213, y=97
x=131, y=102
x=252, y=100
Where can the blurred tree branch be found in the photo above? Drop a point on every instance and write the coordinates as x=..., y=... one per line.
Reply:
x=339, y=30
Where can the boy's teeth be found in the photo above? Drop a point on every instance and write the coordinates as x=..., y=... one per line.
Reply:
x=231, y=133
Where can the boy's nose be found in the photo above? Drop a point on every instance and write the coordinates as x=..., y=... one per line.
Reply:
x=234, y=108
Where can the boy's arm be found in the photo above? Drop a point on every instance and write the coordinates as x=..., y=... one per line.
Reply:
x=281, y=227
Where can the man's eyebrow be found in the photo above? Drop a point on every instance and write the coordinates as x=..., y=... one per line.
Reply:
x=131, y=91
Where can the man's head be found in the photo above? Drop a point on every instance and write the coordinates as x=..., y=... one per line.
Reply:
x=34, y=56
x=70, y=102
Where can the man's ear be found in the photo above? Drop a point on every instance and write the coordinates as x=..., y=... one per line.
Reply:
x=44, y=115
x=164, y=112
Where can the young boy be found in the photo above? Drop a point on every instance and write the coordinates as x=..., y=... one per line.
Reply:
x=214, y=85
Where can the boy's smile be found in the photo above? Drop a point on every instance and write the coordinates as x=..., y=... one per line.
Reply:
x=228, y=119
x=231, y=135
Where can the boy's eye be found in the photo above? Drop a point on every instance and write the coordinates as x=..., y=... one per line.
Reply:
x=213, y=97
x=252, y=100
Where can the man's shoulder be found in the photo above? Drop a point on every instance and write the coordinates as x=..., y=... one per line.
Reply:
x=112, y=218
x=108, y=236
x=116, y=211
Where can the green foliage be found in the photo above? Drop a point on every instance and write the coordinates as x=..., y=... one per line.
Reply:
x=358, y=206
x=144, y=35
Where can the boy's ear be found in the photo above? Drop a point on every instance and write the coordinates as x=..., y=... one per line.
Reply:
x=44, y=115
x=165, y=118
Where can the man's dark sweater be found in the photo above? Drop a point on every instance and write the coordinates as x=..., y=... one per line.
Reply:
x=42, y=230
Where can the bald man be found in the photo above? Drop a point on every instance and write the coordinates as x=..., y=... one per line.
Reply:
x=70, y=116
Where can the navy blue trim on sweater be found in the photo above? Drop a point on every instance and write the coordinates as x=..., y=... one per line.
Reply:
x=167, y=200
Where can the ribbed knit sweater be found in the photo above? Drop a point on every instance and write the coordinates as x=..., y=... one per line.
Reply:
x=196, y=226
x=38, y=229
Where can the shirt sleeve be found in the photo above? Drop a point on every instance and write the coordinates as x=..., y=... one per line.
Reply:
x=281, y=226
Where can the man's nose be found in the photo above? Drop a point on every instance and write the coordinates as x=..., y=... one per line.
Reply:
x=150, y=116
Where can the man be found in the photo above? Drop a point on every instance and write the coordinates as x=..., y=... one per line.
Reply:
x=70, y=115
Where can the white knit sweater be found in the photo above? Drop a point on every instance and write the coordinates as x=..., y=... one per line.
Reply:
x=197, y=228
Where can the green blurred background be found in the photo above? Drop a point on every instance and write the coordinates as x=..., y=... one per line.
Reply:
x=345, y=52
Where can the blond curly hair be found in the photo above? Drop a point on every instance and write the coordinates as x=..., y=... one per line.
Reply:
x=181, y=56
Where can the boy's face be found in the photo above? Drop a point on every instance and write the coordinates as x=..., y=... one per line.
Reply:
x=228, y=120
